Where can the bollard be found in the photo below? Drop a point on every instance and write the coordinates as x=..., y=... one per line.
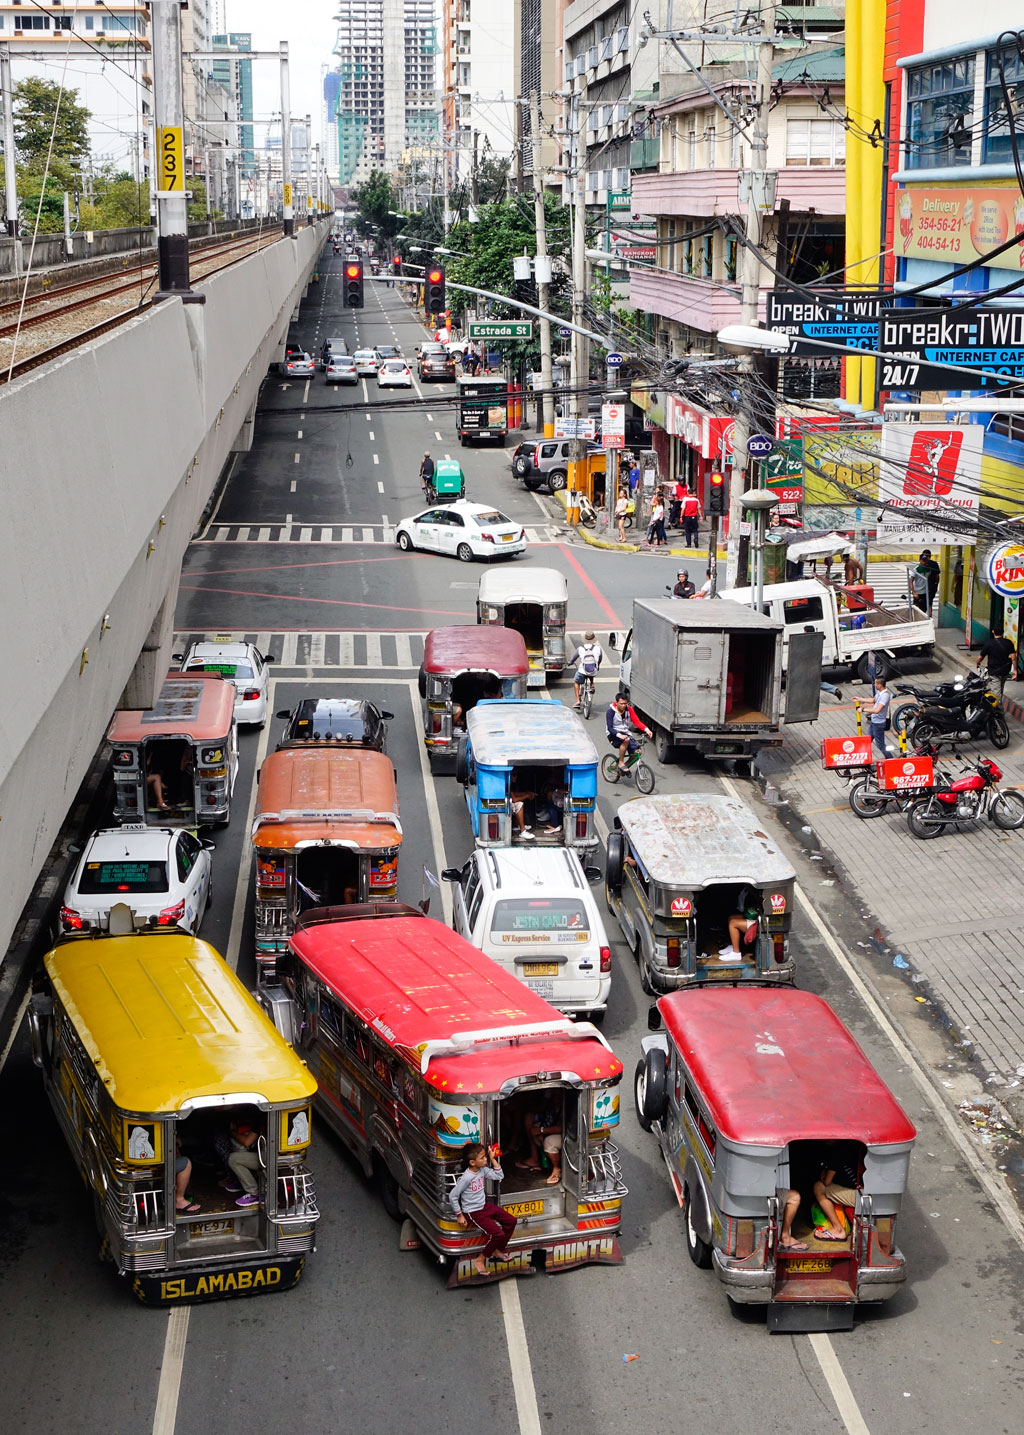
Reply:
x=903, y=742
x=572, y=508
x=860, y=728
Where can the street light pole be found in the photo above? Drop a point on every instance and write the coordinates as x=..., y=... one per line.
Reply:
x=543, y=274
x=286, y=145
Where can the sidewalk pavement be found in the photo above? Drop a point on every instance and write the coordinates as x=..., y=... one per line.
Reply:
x=607, y=537
x=952, y=908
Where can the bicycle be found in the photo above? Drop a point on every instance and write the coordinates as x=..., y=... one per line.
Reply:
x=587, y=694
x=636, y=768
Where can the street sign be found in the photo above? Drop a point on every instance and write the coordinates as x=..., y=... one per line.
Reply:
x=575, y=428
x=563, y=332
x=915, y=344
x=620, y=199
x=613, y=426
x=759, y=445
x=613, y=360
x=501, y=329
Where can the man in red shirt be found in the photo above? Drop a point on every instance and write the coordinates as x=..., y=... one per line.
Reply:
x=691, y=519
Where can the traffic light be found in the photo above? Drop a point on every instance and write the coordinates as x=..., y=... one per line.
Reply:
x=353, y=283
x=716, y=495
x=436, y=303
x=397, y=262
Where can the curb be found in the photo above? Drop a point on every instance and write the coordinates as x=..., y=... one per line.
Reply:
x=695, y=555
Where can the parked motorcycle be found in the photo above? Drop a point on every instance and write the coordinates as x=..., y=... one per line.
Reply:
x=948, y=725
x=962, y=692
x=868, y=800
x=975, y=798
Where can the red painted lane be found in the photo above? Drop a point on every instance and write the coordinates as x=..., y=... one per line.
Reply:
x=284, y=567
x=592, y=589
x=332, y=602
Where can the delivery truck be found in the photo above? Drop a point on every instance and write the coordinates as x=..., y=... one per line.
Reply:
x=708, y=675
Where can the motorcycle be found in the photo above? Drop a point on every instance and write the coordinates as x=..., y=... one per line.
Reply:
x=868, y=800
x=962, y=692
x=959, y=725
x=975, y=798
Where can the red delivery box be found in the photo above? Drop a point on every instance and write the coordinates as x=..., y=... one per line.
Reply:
x=905, y=774
x=841, y=752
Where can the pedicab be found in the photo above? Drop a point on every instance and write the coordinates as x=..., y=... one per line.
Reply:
x=449, y=482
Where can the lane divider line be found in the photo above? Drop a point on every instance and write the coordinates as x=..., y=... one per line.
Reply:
x=171, y=1366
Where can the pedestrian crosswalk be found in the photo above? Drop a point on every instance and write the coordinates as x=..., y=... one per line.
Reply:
x=357, y=648
x=335, y=533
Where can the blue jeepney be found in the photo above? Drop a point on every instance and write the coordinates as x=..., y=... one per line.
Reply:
x=537, y=754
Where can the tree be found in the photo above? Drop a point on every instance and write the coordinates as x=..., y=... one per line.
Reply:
x=374, y=199
x=492, y=179
x=36, y=102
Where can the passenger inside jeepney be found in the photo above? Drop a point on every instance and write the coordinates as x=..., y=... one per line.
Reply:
x=527, y=619
x=170, y=779
x=326, y=877
x=468, y=689
x=216, y=1142
x=531, y=1127
x=728, y=920
x=824, y=1176
x=541, y=792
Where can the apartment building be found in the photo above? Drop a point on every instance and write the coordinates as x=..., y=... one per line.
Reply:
x=478, y=83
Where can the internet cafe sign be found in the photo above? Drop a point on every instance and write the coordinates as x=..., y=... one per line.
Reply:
x=707, y=433
x=958, y=225
x=927, y=473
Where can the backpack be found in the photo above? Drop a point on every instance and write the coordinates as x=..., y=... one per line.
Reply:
x=588, y=660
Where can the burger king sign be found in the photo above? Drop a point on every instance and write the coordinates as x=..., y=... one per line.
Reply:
x=1004, y=570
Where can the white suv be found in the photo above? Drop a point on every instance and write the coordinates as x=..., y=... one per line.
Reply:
x=534, y=914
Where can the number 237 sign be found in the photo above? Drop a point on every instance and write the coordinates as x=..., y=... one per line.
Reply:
x=172, y=159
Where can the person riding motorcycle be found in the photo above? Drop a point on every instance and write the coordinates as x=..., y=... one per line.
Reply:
x=621, y=720
x=684, y=588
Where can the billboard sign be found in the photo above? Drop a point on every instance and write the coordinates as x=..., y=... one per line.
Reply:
x=924, y=473
x=917, y=344
x=837, y=317
x=956, y=226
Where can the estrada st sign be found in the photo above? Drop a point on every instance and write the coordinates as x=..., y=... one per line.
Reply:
x=501, y=329
x=917, y=344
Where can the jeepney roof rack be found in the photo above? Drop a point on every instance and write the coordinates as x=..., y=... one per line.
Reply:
x=356, y=912
x=462, y=1041
x=334, y=814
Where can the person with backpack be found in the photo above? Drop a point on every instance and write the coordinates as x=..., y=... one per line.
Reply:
x=588, y=657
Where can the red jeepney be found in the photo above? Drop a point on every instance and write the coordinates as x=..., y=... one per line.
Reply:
x=419, y=1044
x=461, y=665
x=751, y=1093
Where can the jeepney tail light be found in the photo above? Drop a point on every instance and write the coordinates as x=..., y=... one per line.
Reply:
x=70, y=919
x=779, y=943
x=493, y=827
x=171, y=915
x=582, y=824
x=436, y=722
x=128, y=797
x=744, y=1239
x=606, y=959
x=883, y=1233
x=673, y=951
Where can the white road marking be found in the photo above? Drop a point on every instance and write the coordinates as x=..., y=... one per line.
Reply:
x=295, y=484
x=297, y=457
x=369, y=418
x=380, y=485
x=371, y=437
x=298, y=434
x=437, y=435
x=166, y=1411
x=430, y=417
x=245, y=866
x=835, y=1378
x=366, y=393
x=518, y=1352
x=305, y=393
x=434, y=820
x=376, y=458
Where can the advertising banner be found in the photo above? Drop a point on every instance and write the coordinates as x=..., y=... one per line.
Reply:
x=917, y=345
x=961, y=224
x=837, y=317
x=926, y=472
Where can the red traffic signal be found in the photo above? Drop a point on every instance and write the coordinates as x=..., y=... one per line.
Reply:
x=435, y=300
x=397, y=261
x=716, y=495
x=352, y=271
x=353, y=287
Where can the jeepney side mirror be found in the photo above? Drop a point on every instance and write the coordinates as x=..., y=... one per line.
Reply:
x=284, y=713
x=450, y=874
x=653, y=1019
x=593, y=875
x=613, y=641
x=388, y=717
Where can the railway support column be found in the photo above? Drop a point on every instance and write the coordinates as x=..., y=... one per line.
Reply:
x=10, y=177
x=171, y=200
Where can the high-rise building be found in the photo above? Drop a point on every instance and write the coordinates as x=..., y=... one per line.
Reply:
x=235, y=75
x=383, y=90
x=479, y=86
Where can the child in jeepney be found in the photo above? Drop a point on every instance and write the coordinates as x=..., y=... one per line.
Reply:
x=472, y=1208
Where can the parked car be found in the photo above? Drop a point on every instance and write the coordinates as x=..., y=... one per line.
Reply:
x=394, y=374
x=545, y=462
x=240, y=663
x=345, y=722
x=366, y=363
x=341, y=369
x=464, y=530
x=163, y=874
x=435, y=362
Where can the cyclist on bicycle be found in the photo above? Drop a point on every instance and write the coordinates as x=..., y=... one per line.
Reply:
x=588, y=657
x=621, y=721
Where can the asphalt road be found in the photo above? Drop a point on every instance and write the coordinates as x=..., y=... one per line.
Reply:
x=371, y=1341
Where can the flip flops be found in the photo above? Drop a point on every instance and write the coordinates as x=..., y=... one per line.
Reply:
x=794, y=1246
x=825, y=1233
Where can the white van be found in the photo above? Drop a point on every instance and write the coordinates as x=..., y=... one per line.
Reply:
x=534, y=914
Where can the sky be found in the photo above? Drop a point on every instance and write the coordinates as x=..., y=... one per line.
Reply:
x=309, y=28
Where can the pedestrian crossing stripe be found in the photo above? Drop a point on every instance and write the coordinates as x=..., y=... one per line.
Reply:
x=349, y=533
x=355, y=648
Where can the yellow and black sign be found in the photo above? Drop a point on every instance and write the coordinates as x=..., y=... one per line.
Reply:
x=218, y=1284
x=171, y=149
x=287, y=194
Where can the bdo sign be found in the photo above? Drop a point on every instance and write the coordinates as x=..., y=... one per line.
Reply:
x=1004, y=570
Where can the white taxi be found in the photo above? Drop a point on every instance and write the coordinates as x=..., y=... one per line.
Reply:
x=240, y=663
x=164, y=875
x=366, y=362
x=464, y=530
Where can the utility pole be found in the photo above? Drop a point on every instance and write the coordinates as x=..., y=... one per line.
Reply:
x=542, y=273
x=286, y=145
x=10, y=167
x=580, y=367
x=309, y=175
x=168, y=105
x=474, y=185
x=756, y=195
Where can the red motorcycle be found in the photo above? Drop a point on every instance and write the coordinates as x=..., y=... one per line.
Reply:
x=974, y=798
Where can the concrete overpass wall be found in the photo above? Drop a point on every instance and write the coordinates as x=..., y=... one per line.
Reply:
x=110, y=456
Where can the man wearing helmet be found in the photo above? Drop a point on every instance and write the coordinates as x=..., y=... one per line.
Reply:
x=684, y=588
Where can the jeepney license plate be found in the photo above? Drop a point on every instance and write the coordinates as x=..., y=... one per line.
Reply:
x=525, y=1208
x=816, y=1265
x=540, y=969
x=210, y=1228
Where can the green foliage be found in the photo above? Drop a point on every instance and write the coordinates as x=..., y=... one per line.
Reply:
x=51, y=214
x=121, y=203
x=374, y=198
x=35, y=104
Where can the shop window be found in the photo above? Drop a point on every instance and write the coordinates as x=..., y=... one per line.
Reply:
x=940, y=113
x=996, y=146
